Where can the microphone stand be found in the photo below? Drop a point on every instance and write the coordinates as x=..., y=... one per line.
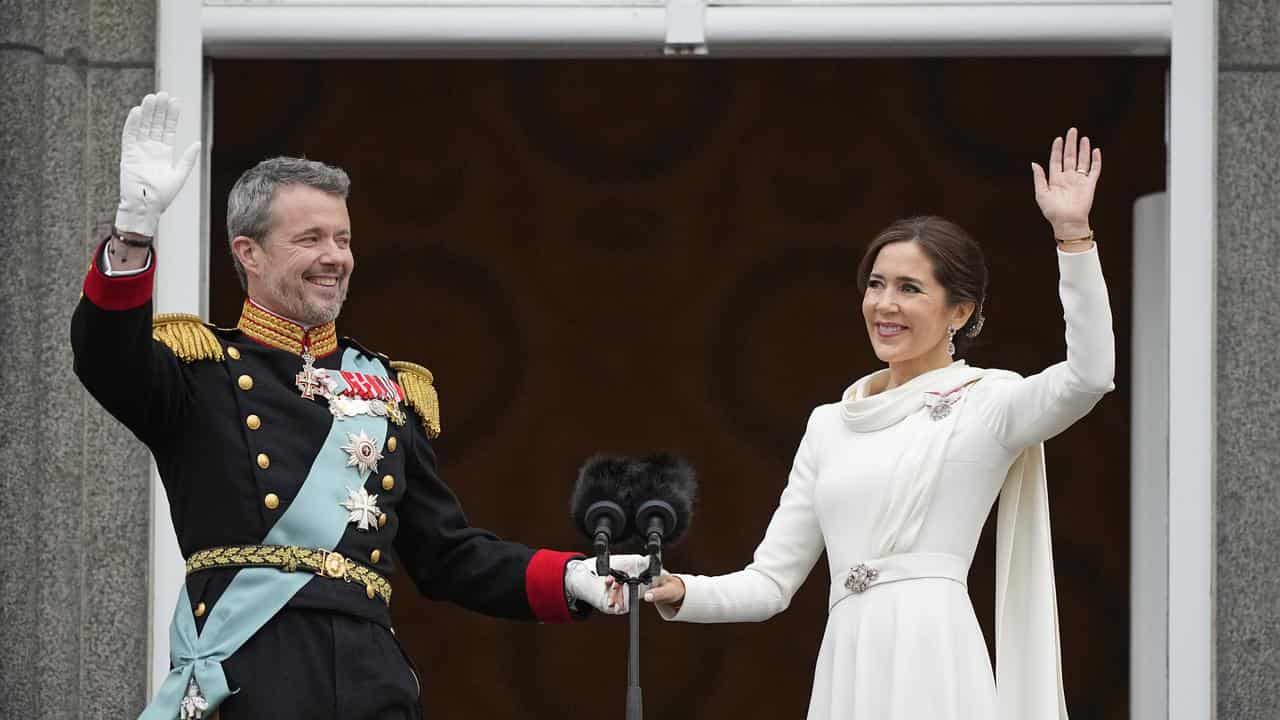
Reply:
x=635, y=701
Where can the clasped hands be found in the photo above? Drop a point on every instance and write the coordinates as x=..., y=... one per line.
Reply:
x=610, y=596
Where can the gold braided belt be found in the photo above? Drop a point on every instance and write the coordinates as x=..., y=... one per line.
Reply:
x=287, y=558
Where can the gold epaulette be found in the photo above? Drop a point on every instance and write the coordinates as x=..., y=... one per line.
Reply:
x=187, y=336
x=421, y=394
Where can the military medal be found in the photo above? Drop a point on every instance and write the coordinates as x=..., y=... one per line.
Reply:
x=344, y=406
x=362, y=454
x=309, y=380
x=194, y=705
x=355, y=393
x=940, y=404
x=394, y=413
x=351, y=393
x=940, y=408
x=362, y=509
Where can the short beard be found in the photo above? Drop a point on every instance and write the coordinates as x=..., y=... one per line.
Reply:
x=295, y=307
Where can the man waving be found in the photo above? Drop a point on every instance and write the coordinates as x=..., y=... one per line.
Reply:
x=298, y=464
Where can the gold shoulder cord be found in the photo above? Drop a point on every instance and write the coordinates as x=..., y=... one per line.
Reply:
x=187, y=336
x=421, y=394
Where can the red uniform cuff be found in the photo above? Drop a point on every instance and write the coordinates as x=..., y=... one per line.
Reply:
x=544, y=585
x=118, y=293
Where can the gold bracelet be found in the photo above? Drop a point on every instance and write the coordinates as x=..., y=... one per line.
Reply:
x=1086, y=238
x=1076, y=246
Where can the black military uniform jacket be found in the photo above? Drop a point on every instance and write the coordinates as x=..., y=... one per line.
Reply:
x=234, y=439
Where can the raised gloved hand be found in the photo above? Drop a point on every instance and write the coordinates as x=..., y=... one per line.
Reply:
x=149, y=180
x=582, y=583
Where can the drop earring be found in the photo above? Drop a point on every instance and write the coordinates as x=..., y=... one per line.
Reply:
x=951, y=345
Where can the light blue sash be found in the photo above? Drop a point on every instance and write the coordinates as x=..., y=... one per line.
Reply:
x=316, y=519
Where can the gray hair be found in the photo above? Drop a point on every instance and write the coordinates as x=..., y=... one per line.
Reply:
x=249, y=203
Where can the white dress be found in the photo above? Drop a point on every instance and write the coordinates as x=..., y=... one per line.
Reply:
x=913, y=650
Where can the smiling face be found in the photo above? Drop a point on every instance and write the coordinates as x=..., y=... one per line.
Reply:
x=907, y=311
x=302, y=268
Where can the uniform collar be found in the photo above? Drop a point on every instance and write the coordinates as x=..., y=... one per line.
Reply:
x=272, y=330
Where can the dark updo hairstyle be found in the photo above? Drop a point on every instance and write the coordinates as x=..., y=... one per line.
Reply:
x=957, y=261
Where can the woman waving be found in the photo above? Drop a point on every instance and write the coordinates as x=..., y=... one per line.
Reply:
x=895, y=481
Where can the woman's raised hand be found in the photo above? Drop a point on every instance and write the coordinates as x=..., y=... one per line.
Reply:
x=1065, y=196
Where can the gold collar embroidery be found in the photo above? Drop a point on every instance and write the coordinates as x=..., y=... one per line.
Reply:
x=274, y=331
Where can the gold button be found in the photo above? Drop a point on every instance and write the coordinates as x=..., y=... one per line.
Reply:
x=391, y=444
x=245, y=382
x=233, y=353
x=368, y=590
x=272, y=501
x=375, y=556
x=253, y=421
x=388, y=483
x=382, y=520
x=264, y=462
x=199, y=610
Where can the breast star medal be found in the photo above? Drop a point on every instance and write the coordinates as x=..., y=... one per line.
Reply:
x=362, y=509
x=362, y=453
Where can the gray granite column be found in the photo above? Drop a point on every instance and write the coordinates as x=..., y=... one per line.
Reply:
x=1248, y=345
x=73, y=483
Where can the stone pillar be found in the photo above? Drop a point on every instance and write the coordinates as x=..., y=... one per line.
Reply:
x=73, y=482
x=1248, y=347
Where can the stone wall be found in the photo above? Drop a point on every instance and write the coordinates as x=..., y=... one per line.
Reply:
x=73, y=590
x=1248, y=453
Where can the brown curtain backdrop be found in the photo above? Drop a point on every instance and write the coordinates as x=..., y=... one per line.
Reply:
x=636, y=255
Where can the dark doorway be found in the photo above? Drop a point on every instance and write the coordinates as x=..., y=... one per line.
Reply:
x=636, y=255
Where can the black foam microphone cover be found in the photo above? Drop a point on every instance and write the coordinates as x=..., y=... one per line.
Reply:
x=663, y=489
x=601, y=503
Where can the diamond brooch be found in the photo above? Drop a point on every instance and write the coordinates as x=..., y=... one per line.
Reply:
x=861, y=577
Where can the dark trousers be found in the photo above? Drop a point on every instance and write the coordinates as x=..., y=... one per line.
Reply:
x=320, y=665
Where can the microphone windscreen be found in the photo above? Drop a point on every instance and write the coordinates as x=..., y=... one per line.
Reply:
x=602, y=477
x=671, y=479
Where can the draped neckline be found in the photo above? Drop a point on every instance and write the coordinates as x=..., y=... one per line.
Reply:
x=865, y=412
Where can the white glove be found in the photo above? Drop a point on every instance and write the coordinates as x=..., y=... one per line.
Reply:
x=582, y=583
x=148, y=178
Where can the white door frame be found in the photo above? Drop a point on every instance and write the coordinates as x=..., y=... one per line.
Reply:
x=1186, y=30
